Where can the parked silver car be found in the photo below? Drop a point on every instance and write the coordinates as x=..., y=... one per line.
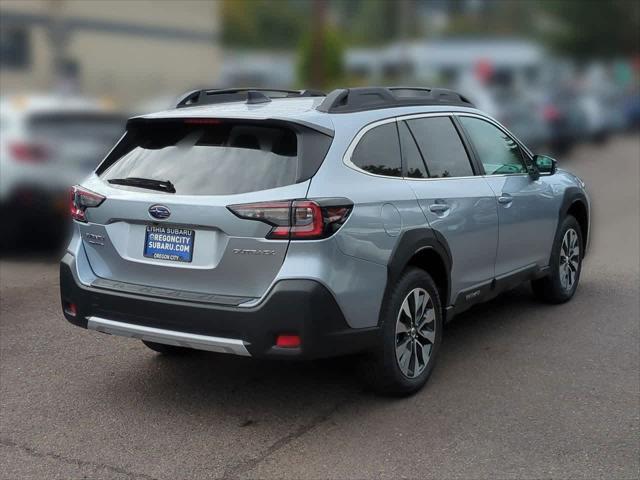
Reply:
x=290, y=224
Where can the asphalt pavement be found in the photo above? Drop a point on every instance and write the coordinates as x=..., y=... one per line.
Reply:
x=521, y=390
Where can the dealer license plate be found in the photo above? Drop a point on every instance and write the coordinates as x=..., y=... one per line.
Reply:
x=169, y=243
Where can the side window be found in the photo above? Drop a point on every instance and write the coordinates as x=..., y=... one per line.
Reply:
x=410, y=154
x=441, y=147
x=498, y=152
x=378, y=151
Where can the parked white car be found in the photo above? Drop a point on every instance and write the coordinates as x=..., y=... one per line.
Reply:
x=48, y=143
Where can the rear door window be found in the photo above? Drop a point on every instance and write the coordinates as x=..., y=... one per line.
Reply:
x=441, y=147
x=201, y=157
x=378, y=151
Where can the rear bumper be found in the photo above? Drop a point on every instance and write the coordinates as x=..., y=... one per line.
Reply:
x=300, y=307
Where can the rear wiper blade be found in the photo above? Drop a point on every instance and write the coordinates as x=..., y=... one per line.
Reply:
x=150, y=183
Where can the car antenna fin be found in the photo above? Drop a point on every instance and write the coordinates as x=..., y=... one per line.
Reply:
x=254, y=97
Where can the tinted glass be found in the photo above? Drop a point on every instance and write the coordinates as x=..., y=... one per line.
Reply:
x=441, y=147
x=379, y=151
x=498, y=152
x=210, y=159
x=410, y=153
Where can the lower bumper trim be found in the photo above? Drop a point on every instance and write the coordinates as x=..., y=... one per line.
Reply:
x=169, y=337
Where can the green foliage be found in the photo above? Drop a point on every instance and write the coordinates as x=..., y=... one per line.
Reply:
x=271, y=24
x=589, y=29
x=497, y=18
x=331, y=55
x=578, y=28
x=377, y=22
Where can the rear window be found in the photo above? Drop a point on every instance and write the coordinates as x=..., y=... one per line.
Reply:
x=206, y=157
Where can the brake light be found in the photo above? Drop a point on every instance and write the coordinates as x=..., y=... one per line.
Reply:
x=81, y=199
x=29, y=152
x=202, y=121
x=297, y=219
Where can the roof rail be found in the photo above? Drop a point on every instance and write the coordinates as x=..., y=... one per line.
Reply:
x=250, y=95
x=360, y=99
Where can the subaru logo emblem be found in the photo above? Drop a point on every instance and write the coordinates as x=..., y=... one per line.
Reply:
x=159, y=211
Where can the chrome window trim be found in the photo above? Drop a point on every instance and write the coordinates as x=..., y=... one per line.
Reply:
x=440, y=178
x=414, y=116
x=504, y=129
x=346, y=159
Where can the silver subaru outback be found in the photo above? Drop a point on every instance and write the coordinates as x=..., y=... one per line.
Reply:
x=294, y=224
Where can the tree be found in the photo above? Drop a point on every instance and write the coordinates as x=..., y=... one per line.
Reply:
x=592, y=29
x=331, y=56
x=264, y=24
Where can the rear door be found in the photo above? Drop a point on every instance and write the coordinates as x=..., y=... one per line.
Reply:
x=189, y=241
x=458, y=204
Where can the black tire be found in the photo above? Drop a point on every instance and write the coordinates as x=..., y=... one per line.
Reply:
x=550, y=288
x=166, y=349
x=381, y=368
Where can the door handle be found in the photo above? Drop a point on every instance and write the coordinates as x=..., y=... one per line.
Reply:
x=438, y=207
x=505, y=199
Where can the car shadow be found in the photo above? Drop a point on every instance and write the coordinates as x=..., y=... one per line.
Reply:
x=213, y=384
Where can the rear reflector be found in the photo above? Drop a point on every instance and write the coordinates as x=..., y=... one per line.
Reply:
x=297, y=219
x=288, y=341
x=70, y=309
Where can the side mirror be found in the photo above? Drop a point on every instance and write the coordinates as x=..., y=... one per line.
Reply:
x=546, y=165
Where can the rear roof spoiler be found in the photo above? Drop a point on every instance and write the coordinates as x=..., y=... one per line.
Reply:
x=281, y=121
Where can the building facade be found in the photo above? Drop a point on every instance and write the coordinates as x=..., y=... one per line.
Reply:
x=124, y=50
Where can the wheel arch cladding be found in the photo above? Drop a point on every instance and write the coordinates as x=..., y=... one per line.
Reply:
x=425, y=249
x=579, y=211
x=575, y=203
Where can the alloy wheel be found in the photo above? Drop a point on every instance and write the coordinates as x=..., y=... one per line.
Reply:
x=569, y=259
x=415, y=332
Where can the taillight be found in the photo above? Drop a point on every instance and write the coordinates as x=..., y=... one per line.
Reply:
x=297, y=219
x=81, y=199
x=29, y=152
